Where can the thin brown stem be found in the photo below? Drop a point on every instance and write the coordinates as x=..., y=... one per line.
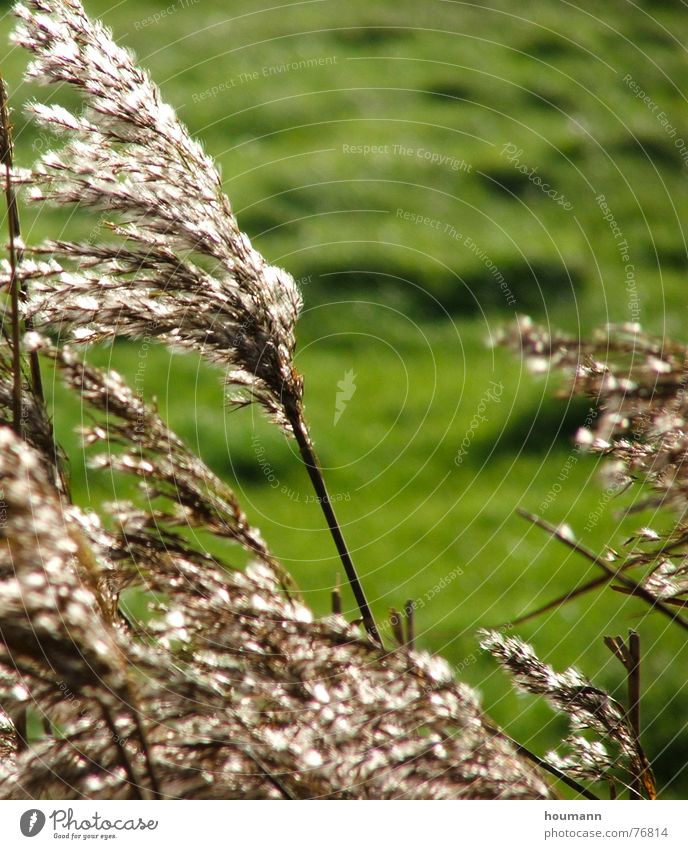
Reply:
x=147, y=753
x=124, y=758
x=336, y=599
x=410, y=614
x=13, y=228
x=17, y=291
x=634, y=696
x=553, y=770
x=629, y=656
x=557, y=602
x=272, y=777
x=674, y=602
x=614, y=574
x=21, y=731
x=318, y=481
x=601, y=581
x=396, y=626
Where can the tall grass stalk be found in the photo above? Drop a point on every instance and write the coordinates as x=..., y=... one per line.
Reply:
x=179, y=266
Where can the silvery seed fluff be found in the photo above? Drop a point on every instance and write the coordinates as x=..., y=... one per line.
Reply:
x=178, y=267
x=240, y=692
x=587, y=707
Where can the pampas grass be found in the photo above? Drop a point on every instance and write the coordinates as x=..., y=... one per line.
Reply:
x=178, y=266
x=228, y=687
x=231, y=689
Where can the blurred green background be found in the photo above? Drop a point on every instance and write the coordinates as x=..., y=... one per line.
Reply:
x=387, y=155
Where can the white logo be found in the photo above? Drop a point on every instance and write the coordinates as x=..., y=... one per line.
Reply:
x=347, y=388
x=31, y=822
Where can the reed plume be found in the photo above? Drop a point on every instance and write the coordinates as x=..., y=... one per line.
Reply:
x=230, y=688
x=178, y=267
x=614, y=753
x=637, y=387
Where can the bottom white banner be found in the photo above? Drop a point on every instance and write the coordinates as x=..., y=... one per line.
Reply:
x=335, y=825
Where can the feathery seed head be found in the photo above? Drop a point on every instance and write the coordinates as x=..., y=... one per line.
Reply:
x=179, y=267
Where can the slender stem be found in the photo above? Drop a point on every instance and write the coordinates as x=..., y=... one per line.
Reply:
x=315, y=473
x=125, y=761
x=14, y=316
x=553, y=770
x=629, y=656
x=674, y=602
x=271, y=776
x=336, y=599
x=666, y=548
x=18, y=291
x=634, y=698
x=614, y=574
x=409, y=612
x=21, y=733
x=395, y=624
x=147, y=754
x=557, y=602
x=13, y=230
x=15, y=257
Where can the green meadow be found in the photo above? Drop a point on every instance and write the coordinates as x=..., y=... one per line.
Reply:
x=428, y=171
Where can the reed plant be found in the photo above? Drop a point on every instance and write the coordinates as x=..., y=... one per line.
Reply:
x=229, y=687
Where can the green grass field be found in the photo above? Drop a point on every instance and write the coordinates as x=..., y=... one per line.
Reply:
x=378, y=151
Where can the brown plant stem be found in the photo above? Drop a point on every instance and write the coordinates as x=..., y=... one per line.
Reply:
x=613, y=574
x=553, y=770
x=629, y=656
x=125, y=760
x=409, y=613
x=147, y=753
x=13, y=232
x=271, y=776
x=634, y=692
x=675, y=602
x=666, y=548
x=310, y=459
x=15, y=256
x=336, y=599
x=396, y=626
